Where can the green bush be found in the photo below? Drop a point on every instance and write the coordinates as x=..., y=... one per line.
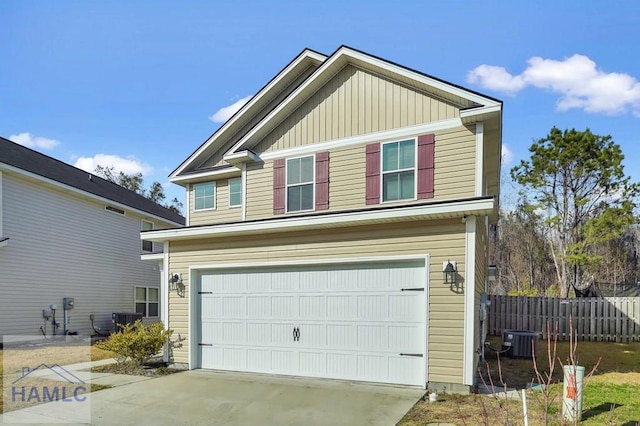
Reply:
x=137, y=342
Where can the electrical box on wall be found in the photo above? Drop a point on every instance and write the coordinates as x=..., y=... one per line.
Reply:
x=68, y=303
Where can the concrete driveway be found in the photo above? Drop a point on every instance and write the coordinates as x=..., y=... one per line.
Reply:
x=215, y=398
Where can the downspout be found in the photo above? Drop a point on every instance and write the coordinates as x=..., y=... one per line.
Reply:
x=164, y=292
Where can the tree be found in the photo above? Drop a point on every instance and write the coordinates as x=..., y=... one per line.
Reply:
x=135, y=183
x=576, y=182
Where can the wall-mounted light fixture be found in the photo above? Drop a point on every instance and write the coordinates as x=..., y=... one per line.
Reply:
x=175, y=282
x=449, y=272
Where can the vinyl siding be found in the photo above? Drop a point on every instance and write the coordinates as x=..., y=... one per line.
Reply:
x=441, y=239
x=222, y=212
x=355, y=102
x=453, y=178
x=62, y=245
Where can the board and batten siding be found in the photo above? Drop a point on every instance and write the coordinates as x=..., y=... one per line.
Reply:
x=355, y=102
x=453, y=177
x=60, y=246
x=441, y=239
x=222, y=213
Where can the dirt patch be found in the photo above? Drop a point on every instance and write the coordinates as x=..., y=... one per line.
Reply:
x=153, y=368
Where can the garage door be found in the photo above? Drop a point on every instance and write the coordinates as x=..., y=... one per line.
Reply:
x=364, y=322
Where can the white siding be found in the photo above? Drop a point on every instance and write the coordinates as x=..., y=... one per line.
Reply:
x=62, y=245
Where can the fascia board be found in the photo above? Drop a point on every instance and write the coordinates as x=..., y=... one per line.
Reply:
x=478, y=206
x=338, y=60
x=81, y=193
x=199, y=177
x=306, y=54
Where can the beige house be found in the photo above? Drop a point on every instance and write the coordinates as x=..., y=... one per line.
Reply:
x=321, y=217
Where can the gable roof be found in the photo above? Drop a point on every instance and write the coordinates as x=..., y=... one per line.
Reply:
x=468, y=101
x=35, y=163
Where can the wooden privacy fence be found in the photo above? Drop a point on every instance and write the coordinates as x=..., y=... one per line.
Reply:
x=615, y=319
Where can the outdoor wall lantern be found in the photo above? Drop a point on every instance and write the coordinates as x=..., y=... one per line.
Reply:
x=450, y=272
x=175, y=282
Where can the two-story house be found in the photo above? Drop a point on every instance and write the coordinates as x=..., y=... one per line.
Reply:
x=70, y=248
x=337, y=227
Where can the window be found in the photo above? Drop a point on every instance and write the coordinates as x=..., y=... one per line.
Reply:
x=147, y=245
x=235, y=192
x=300, y=174
x=204, y=196
x=147, y=301
x=398, y=170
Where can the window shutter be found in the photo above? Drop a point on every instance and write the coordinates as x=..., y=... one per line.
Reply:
x=279, y=186
x=426, y=149
x=373, y=174
x=322, y=181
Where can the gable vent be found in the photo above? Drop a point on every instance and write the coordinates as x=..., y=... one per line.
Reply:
x=114, y=210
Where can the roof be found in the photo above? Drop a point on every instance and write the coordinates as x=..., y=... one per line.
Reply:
x=23, y=158
x=468, y=101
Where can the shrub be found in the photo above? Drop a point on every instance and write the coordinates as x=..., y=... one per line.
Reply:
x=137, y=342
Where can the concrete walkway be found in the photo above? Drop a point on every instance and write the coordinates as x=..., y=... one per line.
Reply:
x=216, y=398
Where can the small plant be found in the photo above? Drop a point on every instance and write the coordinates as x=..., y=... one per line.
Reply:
x=137, y=342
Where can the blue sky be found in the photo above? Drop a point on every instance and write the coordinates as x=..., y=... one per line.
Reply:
x=137, y=84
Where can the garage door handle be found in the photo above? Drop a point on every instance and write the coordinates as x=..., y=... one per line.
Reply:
x=416, y=355
x=296, y=334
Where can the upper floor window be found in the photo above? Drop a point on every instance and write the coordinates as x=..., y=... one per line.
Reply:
x=398, y=170
x=235, y=192
x=147, y=226
x=300, y=173
x=204, y=196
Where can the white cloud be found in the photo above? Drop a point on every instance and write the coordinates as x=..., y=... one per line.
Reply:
x=36, y=142
x=577, y=80
x=507, y=155
x=128, y=165
x=225, y=113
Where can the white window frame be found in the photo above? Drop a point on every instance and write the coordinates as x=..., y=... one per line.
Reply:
x=239, y=180
x=414, y=168
x=146, y=301
x=195, y=209
x=313, y=183
x=143, y=242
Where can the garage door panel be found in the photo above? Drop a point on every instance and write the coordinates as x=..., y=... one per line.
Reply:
x=347, y=321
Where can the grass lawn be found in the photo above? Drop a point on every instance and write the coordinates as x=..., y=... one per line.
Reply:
x=62, y=355
x=611, y=396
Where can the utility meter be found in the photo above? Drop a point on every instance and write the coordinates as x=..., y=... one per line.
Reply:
x=67, y=302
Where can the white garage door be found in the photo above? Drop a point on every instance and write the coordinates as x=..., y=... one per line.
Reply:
x=363, y=322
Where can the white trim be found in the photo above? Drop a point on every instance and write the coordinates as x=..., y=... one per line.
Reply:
x=481, y=110
x=312, y=183
x=194, y=280
x=243, y=176
x=204, y=176
x=468, y=355
x=386, y=135
x=379, y=63
x=152, y=256
x=215, y=196
x=74, y=190
x=164, y=290
x=241, y=156
x=187, y=203
x=452, y=209
x=479, y=159
x=262, y=93
x=308, y=262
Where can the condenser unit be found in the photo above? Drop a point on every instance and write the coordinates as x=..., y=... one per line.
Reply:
x=519, y=344
x=121, y=319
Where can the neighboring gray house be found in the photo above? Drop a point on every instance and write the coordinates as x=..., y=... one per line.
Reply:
x=65, y=233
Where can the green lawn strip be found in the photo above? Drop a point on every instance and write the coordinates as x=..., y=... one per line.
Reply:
x=611, y=403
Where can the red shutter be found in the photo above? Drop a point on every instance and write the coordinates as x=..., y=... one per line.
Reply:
x=279, y=186
x=373, y=174
x=322, y=181
x=426, y=145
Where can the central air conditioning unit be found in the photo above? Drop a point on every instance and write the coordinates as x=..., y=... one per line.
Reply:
x=519, y=344
x=121, y=319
